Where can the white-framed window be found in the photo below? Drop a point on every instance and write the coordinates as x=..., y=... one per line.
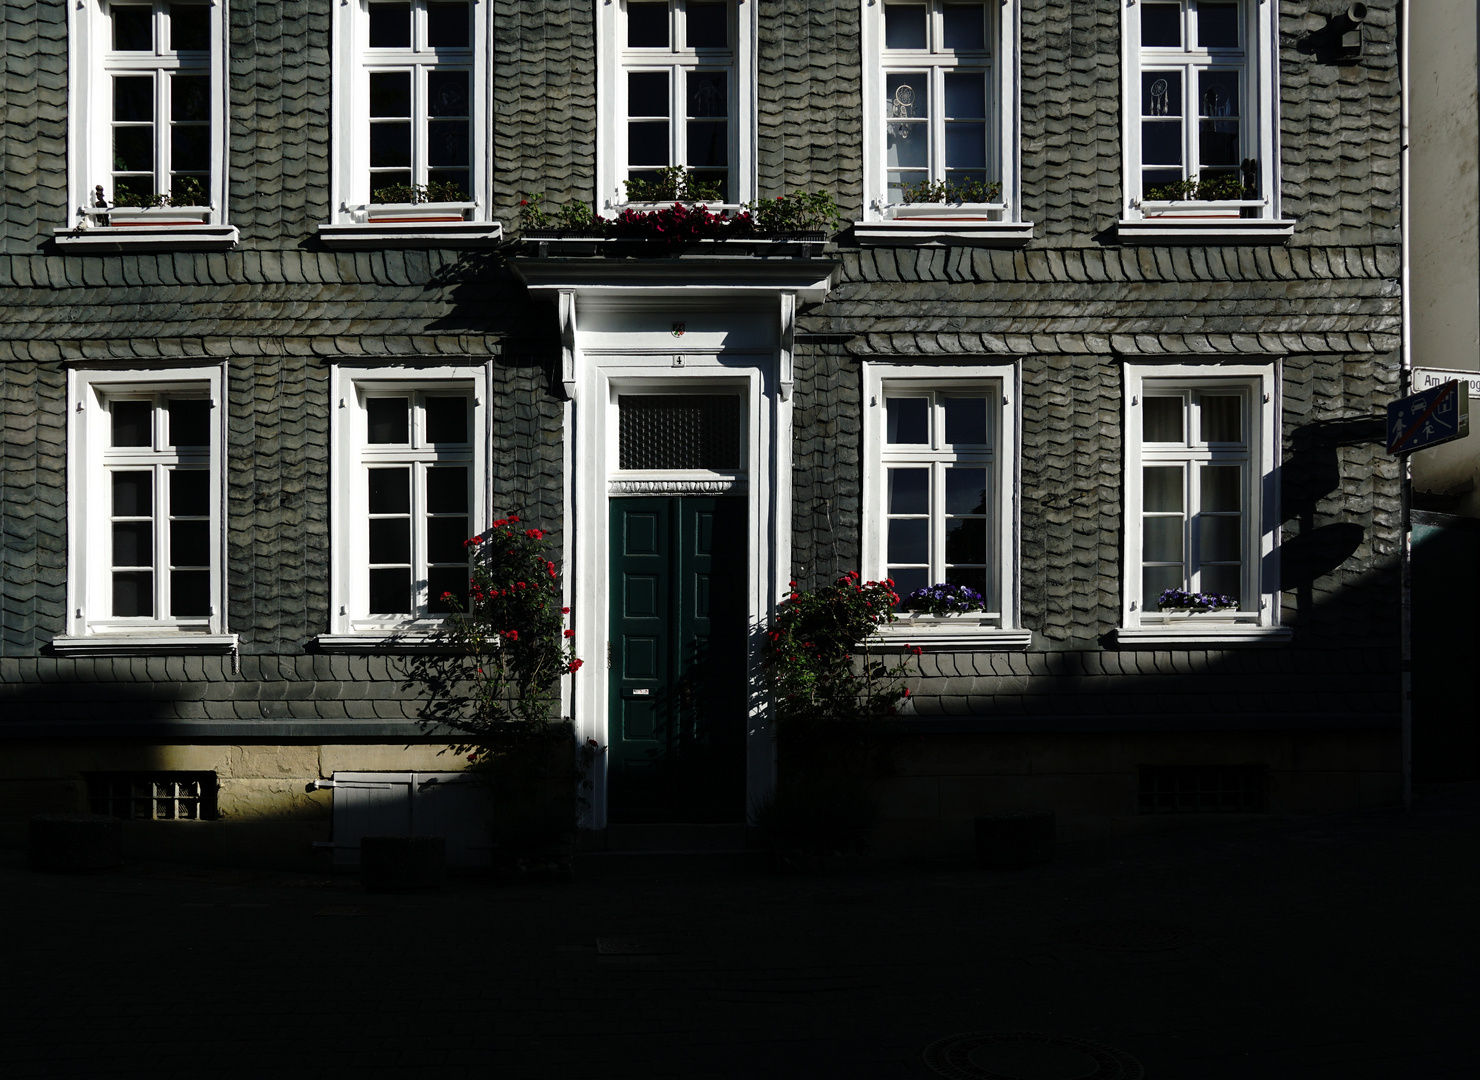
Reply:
x=1201, y=501
x=146, y=538
x=147, y=142
x=940, y=94
x=409, y=487
x=411, y=140
x=1201, y=114
x=939, y=475
x=676, y=90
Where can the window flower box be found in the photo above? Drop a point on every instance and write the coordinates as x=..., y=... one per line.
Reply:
x=135, y=216
x=412, y=213
x=1222, y=209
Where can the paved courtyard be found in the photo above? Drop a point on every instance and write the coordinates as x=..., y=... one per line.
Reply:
x=1342, y=947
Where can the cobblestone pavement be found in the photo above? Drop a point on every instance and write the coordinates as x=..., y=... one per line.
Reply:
x=1341, y=947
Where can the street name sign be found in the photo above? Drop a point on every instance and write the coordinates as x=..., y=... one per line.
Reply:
x=1437, y=415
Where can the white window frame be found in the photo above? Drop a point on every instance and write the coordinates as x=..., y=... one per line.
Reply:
x=352, y=625
x=357, y=223
x=614, y=60
x=92, y=64
x=91, y=625
x=1000, y=629
x=983, y=224
x=1258, y=620
x=1256, y=219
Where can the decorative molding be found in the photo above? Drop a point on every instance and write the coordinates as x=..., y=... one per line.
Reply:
x=569, y=357
x=729, y=485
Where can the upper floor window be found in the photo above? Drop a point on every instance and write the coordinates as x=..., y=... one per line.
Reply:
x=940, y=136
x=411, y=110
x=148, y=145
x=675, y=101
x=145, y=501
x=1201, y=111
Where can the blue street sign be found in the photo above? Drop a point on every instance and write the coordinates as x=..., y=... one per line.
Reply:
x=1437, y=415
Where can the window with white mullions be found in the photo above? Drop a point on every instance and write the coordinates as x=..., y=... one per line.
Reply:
x=939, y=110
x=1196, y=492
x=939, y=461
x=157, y=59
x=1193, y=82
x=417, y=478
x=157, y=475
x=677, y=81
x=418, y=66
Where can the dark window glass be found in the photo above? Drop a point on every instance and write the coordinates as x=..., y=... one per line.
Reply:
x=390, y=491
x=447, y=93
x=387, y=420
x=907, y=579
x=133, y=543
x=964, y=27
x=1161, y=26
x=133, y=594
x=133, y=98
x=133, y=494
x=679, y=431
x=390, y=147
x=190, y=543
x=970, y=577
x=132, y=423
x=447, y=490
x=390, y=26
x=1220, y=487
x=966, y=541
x=446, y=579
x=190, y=593
x=1162, y=420
x=1222, y=417
x=966, y=490
x=189, y=422
x=133, y=28
x=904, y=26
x=449, y=26
x=908, y=420
x=708, y=94
x=190, y=99
x=647, y=26
x=446, y=419
x=390, y=591
x=190, y=493
x=647, y=143
x=647, y=93
x=909, y=540
x=966, y=420
x=190, y=148
x=390, y=93
x=190, y=27
x=445, y=539
x=909, y=491
x=1217, y=25
x=390, y=540
x=707, y=26
x=133, y=151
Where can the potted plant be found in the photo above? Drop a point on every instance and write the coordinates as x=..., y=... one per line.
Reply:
x=1180, y=601
x=1221, y=195
x=833, y=699
x=957, y=200
x=439, y=200
x=185, y=204
x=944, y=600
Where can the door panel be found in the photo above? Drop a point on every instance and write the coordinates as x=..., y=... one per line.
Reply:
x=678, y=671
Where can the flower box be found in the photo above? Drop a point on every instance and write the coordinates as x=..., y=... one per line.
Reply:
x=926, y=211
x=126, y=216
x=400, y=213
x=1201, y=210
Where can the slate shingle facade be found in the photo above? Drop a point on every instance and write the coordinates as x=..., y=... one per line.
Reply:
x=1072, y=306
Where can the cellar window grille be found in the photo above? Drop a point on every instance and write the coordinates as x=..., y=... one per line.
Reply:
x=171, y=796
x=1218, y=789
x=679, y=431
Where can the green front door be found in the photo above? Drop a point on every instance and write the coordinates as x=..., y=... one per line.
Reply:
x=678, y=660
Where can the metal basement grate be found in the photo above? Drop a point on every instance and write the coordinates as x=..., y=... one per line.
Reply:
x=173, y=796
x=679, y=431
x=1219, y=789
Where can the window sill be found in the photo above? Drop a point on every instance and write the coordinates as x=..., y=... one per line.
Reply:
x=163, y=644
x=384, y=641
x=953, y=631
x=415, y=233
x=1203, y=229
x=1213, y=636
x=943, y=229
x=186, y=236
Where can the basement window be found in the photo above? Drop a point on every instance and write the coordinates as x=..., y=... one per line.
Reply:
x=1217, y=789
x=170, y=796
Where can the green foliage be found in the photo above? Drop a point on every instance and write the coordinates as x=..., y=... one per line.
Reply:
x=437, y=191
x=674, y=184
x=1223, y=187
x=184, y=191
x=952, y=191
x=801, y=211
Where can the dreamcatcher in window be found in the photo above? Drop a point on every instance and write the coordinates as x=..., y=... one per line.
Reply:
x=902, y=107
x=1160, y=99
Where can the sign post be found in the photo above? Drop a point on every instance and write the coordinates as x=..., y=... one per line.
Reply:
x=1437, y=415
